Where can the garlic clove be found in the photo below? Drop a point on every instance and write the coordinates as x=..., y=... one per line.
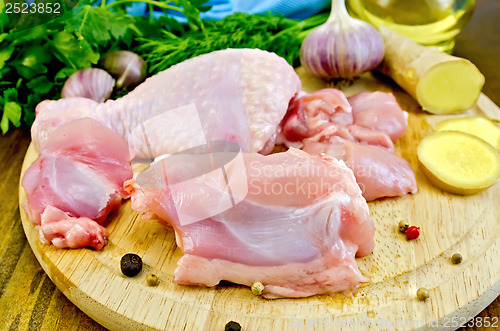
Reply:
x=128, y=68
x=343, y=47
x=90, y=83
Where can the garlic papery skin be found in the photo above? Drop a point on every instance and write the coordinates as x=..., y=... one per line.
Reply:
x=90, y=83
x=342, y=47
x=128, y=68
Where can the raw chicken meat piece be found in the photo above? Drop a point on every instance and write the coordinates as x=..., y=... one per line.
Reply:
x=378, y=171
x=64, y=231
x=379, y=111
x=80, y=172
x=323, y=114
x=238, y=95
x=367, y=136
x=320, y=122
x=310, y=114
x=297, y=230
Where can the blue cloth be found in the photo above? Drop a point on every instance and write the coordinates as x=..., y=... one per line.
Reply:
x=298, y=9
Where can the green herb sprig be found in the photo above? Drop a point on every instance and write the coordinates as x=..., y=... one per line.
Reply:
x=268, y=32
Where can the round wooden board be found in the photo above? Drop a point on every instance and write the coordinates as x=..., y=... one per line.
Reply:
x=397, y=268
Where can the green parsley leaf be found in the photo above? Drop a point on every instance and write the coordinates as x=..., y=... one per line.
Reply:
x=40, y=84
x=11, y=110
x=12, y=114
x=5, y=54
x=72, y=52
x=63, y=74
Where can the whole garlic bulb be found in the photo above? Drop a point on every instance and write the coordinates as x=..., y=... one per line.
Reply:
x=128, y=68
x=90, y=83
x=342, y=47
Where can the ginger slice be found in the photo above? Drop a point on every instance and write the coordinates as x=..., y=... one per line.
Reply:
x=477, y=126
x=458, y=162
x=441, y=83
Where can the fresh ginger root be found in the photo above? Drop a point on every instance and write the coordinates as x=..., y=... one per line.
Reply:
x=458, y=162
x=477, y=126
x=441, y=83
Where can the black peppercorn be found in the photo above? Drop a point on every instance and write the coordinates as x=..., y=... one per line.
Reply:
x=131, y=264
x=232, y=326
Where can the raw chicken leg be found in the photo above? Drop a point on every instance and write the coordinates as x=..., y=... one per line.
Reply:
x=237, y=95
x=297, y=230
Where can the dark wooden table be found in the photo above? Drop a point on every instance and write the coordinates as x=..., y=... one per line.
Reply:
x=28, y=298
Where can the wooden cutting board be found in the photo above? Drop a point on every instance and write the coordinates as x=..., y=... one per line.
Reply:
x=397, y=268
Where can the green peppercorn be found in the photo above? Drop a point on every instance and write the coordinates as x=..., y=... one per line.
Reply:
x=232, y=326
x=422, y=294
x=131, y=264
x=456, y=258
x=403, y=226
x=257, y=288
x=152, y=280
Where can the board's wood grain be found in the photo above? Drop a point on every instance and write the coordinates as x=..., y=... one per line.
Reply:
x=397, y=267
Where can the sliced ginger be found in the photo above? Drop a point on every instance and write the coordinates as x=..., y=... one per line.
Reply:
x=476, y=126
x=441, y=83
x=458, y=162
